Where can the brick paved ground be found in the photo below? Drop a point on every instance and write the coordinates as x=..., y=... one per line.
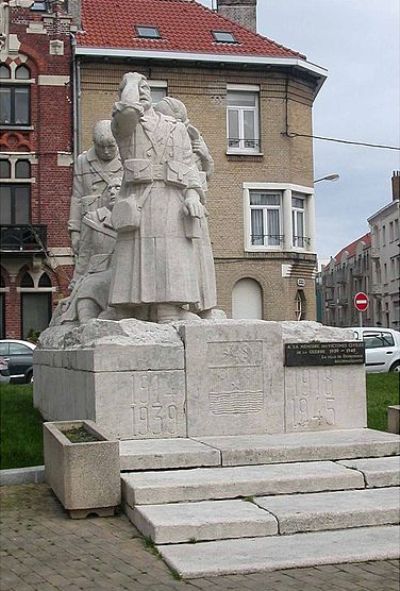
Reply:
x=43, y=550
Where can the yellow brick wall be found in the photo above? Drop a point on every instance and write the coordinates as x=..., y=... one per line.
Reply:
x=283, y=159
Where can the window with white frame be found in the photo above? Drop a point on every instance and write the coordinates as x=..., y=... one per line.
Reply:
x=265, y=218
x=243, y=119
x=298, y=221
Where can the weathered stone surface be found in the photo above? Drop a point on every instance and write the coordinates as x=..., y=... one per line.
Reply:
x=305, y=331
x=163, y=454
x=320, y=398
x=296, y=447
x=333, y=510
x=82, y=475
x=141, y=404
x=394, y=419
x=234, y=377
x=207, y=520
x=152, y=488
x=281, y=552
x=378, y=472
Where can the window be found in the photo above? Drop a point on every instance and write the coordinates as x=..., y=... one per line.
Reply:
x=39, y=5
x=300, y=305
x=383, y=235
x=378, y=340
x=15, y=204
x=243, y=121
x=396, y=229
x=265, y=218
x=19, y=349
x=158, y=90
x=224, y=37
x=14, y=98
x=15, y=197
x=391, y=232
x=299, y=239
x=148, y=32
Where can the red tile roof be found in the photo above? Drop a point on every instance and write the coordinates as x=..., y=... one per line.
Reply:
x=352, y=247
x=184, y=25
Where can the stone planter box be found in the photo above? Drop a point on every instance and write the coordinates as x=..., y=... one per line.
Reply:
x=85, y=476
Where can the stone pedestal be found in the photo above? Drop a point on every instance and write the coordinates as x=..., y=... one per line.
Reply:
x=139, y=380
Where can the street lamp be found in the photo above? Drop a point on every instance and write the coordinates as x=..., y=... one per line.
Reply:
x=328, y=177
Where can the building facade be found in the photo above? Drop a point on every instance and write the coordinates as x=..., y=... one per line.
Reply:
x=250, y=97
x=35, y=161
x=385, y=260
x=370, y=264
x=252, y=100
x=346, y=274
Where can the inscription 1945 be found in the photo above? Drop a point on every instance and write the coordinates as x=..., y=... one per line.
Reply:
x=317, y=353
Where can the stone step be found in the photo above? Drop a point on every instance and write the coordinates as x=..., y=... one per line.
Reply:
x=216, y=520
x=378, y=472
x=280, y=552
x=333, y=510
x=206, y=520
x=200, y=484
x=300, y=447
x=164, y=454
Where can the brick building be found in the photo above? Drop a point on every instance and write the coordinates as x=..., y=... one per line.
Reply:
x=252, y=100
x=36, y=145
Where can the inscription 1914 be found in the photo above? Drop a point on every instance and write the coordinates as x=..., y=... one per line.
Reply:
x=317, y=353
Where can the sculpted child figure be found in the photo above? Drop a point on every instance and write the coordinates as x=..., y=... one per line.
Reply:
x=158, y=212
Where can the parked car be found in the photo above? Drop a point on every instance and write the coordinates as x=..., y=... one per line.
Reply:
x=4, y=371
x=382, y=348
x=19, y=355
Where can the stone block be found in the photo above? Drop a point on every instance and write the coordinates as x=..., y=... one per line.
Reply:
x=234, y=377
x=199, y=484
x=141, y=404
x=207, y=520
x=281, y=552
x=166, y=454
x=82, y=475
x=333, y=510
x=378, y=472
x=394, y=419
x=321, y=398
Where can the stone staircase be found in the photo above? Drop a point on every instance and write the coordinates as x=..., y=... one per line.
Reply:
x=248, y=504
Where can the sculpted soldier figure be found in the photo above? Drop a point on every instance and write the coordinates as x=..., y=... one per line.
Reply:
x=203, y=160
x=95, y=169
x=158, y=212
x=89, y=297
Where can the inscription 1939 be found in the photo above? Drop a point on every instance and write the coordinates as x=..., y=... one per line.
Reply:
x=317, y=353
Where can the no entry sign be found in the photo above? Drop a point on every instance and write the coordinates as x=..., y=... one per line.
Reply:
x=361, y=301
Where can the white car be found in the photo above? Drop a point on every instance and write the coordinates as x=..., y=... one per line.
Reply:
x=382, y=348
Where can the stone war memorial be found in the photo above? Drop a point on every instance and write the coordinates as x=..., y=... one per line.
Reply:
x=247, y=437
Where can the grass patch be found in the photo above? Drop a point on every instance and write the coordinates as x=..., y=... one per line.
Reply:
x=382, y=391
x=21, y=439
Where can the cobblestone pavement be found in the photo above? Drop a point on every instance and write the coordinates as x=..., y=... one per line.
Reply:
x=43, y=550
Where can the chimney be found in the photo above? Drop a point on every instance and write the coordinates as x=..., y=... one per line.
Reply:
x=243, y=12
x=396, y=185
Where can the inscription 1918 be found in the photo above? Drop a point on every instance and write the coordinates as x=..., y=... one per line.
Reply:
x=317, y=353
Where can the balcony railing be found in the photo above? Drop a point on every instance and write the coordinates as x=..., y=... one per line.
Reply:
x=23, y=238
x=266, y=239
x=301, y=241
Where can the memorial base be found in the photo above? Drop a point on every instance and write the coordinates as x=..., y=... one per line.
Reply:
x=140, y=380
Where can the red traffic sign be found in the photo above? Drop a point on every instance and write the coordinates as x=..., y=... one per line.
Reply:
x=361, y=301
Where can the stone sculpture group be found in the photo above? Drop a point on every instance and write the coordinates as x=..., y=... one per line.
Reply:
x=138, y=221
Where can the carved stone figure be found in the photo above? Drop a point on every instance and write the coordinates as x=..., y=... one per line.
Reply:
x=90, y=294
x=95, y=170
x=158, y=213
x=202, y=159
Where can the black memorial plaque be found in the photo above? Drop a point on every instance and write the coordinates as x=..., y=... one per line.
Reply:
x=317, y=353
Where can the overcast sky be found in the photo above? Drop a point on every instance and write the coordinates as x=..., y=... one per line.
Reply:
x=358, y=42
